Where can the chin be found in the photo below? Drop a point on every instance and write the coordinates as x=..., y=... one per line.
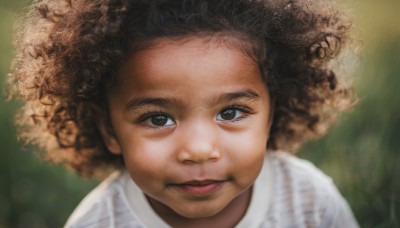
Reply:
x=197, y=212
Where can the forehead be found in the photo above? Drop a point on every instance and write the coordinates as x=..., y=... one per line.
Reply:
x=240, y=43
x=161, y=52
x=198, y=66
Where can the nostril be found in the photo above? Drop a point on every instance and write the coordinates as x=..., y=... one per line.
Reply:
x=190, y=157
x=184, y=157
x=215, y=155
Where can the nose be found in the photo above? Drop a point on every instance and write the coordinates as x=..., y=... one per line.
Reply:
x=198, y=144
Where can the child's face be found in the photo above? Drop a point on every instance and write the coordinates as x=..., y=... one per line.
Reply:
x=191, y=120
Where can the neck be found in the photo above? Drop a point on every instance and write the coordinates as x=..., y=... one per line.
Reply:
x=228, y=217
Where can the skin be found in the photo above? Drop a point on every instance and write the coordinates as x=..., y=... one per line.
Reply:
x=191, y=119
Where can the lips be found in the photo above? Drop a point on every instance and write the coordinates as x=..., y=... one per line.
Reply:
x=200, y=188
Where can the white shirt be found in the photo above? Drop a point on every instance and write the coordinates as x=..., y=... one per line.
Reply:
x=289, y=192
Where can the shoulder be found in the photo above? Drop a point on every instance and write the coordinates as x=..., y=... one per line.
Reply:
x=295, y=170
x=306, y=195
x=105, y=206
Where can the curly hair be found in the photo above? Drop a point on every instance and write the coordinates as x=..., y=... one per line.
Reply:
x=68, y=52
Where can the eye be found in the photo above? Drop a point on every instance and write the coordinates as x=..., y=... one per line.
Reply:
x=158, y=120
x=230, y=114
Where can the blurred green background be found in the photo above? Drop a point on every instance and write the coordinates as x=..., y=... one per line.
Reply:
x=361, y=153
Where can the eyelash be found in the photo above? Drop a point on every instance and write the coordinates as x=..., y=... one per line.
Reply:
x=243, y=109
x=148, y=115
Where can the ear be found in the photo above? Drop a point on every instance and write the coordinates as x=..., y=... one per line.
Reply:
x=107, y=133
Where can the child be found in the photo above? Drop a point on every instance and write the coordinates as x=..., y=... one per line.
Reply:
x=184, y=98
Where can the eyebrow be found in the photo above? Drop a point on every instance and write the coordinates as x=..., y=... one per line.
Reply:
x=246, y=94
x=148, y=101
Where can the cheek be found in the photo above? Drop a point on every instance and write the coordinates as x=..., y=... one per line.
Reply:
x=250, y=142
x=146, y=159
x=246, y=151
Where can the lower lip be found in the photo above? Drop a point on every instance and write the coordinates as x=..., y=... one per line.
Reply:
x=200, y=190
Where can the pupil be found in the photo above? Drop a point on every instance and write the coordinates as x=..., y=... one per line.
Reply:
x=159, y=120
x=228, y=114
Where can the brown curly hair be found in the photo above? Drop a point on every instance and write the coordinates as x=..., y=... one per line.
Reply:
x=68, y=52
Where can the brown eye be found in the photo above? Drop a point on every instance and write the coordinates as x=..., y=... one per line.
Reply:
x=159, y=121
x=228, y=114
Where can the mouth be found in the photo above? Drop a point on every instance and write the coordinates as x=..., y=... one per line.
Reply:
x=199, y=188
